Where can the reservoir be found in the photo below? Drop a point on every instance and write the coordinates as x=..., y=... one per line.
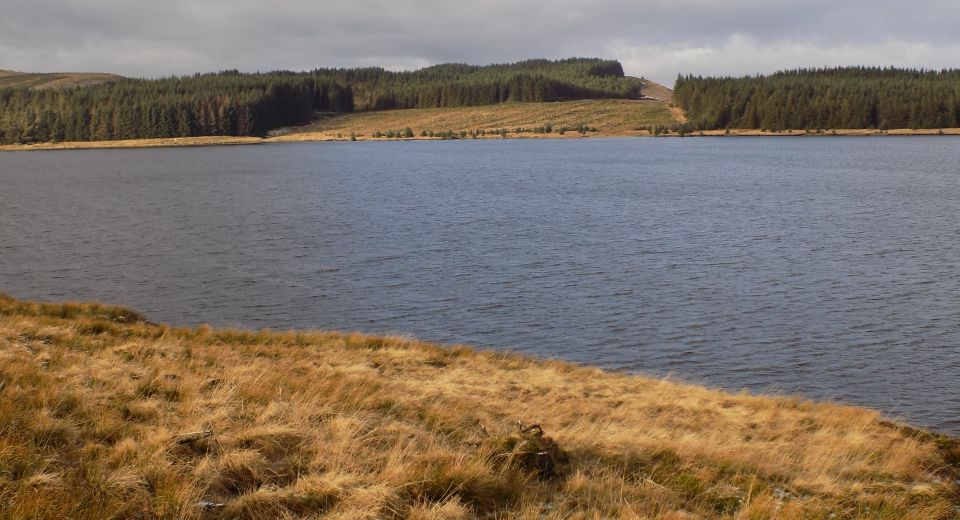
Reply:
x=827, y=267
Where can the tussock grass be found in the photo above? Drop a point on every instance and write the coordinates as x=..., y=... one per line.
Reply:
x=103, y=415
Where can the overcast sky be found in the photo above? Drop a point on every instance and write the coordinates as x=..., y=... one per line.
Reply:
x=656, y=39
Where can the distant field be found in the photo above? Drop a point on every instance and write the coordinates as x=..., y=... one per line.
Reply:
x=610, y=117
x=607, y=117
x=53, y=80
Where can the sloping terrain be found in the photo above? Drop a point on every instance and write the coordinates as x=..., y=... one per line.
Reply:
x=657, y=91
x=105, y=415
x=53, y=80
x=607, y=117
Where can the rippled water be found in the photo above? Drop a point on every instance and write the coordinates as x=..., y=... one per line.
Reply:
x=826, y=267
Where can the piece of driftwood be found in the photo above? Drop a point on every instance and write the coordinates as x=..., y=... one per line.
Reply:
x=187, y=438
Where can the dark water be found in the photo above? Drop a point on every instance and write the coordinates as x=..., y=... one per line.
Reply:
x=828, y=267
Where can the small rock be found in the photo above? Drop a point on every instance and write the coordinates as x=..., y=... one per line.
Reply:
x=207, y=505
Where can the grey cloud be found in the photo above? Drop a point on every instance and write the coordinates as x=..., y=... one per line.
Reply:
x=654, y=38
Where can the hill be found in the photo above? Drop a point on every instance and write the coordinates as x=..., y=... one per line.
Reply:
x=594, y=118
x=106, y=415
x=459, y=84
x=231, y=103
x=11, y=79
x=564, y=119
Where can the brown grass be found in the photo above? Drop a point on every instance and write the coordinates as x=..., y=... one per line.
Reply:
x=336, y=133
x=610, y=117
x=96, y=405
x=657, y=91
x=135, y=143
x=39, y=81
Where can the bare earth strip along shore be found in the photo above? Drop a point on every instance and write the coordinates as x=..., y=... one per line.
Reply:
x=105, y=415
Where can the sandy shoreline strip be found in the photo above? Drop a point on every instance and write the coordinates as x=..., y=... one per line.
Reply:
x=339, y=136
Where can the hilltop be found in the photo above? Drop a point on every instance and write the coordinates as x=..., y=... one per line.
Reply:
x=231, y=103
x=534, y=98
x=564, y=119
x=39, y=81
x=106, y=415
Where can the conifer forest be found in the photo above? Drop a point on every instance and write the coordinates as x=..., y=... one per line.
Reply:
x=250, y=104
x=818, y=99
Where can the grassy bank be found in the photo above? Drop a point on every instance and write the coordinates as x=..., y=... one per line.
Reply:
x=341, y=131
x=563, y=119
x=107, y=416
x=164, y=142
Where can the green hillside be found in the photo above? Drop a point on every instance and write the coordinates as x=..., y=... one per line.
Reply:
x=231, y=103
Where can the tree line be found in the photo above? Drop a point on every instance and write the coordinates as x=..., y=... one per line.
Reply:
x=238, y=104
x=226, y=103
x=454, y=84
x=812, y=99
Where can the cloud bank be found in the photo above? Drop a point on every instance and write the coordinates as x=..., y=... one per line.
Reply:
x=653, y=38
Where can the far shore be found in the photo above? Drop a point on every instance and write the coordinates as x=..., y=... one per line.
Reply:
x=164, y=142
x=327, y=136
x=589, y=118
x=840, y=132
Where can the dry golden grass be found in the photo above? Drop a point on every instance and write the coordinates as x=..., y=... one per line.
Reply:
x=9, y=78
x=657, y=91
x=105, y=416
x=611, y=117
x=311, y=133
x=135, y=143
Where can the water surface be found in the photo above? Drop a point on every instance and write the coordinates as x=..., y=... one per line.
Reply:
x=826, y=267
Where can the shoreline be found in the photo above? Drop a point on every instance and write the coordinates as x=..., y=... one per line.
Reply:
x=160, y=142
x=273, y=423
x=848, y=132
x=176, y=142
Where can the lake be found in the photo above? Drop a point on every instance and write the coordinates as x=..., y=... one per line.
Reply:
x=827, y=267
